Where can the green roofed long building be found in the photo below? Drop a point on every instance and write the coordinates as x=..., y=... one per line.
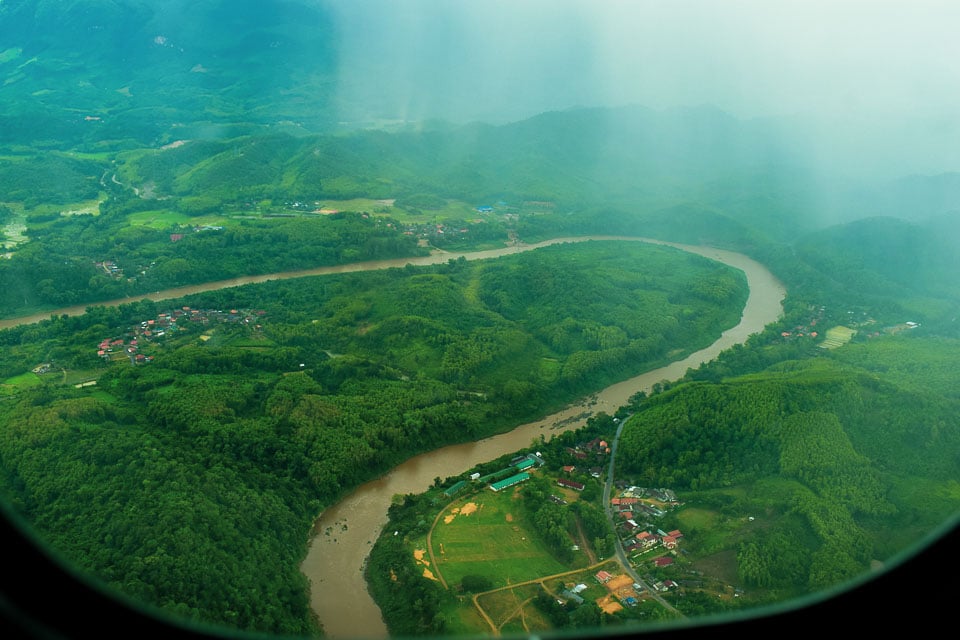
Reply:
x=524, y=464
x=509, y=482
x=455, y=489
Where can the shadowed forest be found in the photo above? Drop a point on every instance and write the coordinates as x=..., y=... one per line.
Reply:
x=179, y=451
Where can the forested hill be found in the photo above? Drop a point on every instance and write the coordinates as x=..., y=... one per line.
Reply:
x=577, y=161
x=853, y=461
x=188, y=476
x=889, y=255
x=116, y=74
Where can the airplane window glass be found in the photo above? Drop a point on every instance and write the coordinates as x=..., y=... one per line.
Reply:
x=403, y=318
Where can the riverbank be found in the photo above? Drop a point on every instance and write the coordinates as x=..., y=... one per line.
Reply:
x=345, y=532
x=435, y=257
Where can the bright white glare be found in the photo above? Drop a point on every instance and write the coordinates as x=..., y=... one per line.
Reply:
x=468, y=59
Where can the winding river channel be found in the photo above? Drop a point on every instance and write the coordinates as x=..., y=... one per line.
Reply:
x=344, y=533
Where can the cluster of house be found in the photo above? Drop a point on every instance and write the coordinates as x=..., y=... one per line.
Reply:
x=644, y=540
x=634, y=508
x=177, y=237
x=434, y=230
x=167, y=323
x=110, y=268
x=108, y=349
x=593, y=454
x=626, y=592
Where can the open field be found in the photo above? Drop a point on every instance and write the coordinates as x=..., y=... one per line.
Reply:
x=165, y=218
x=28, y=379
x=87, y=207
x=488, y=535
x=356, y=204
x=512, y=611
x=456, y=209
x=837, y=337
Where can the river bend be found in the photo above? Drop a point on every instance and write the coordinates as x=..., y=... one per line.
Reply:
x=345, y=532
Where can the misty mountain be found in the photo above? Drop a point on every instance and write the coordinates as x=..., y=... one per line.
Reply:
x=916, y=197
x=125, y=74
x=631, y=158
x=886, y=256
x=110, y=70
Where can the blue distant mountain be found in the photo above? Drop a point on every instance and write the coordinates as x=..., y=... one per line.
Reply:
x=135, y=70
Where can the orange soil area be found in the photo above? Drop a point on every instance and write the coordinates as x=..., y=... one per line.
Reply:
x=609, y=605
x=465, y=510
x=418, y=555
x=615, y=584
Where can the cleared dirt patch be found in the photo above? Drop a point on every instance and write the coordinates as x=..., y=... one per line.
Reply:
x=420, y=556
x=722, y=566
x=465, y=510
x=609, y=605
x=619, y=582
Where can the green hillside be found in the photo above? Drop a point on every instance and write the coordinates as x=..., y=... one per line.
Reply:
x=124, y=74
x=180, y=451
x=189, y=467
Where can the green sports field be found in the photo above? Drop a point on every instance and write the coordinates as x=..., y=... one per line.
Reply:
x=488, y=535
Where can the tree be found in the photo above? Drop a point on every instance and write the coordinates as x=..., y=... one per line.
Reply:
x=473, y=583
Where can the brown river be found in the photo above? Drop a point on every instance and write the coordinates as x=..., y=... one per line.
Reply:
x=344, y=533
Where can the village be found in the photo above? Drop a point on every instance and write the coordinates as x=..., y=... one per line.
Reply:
x=168, y=323
x=634, y=512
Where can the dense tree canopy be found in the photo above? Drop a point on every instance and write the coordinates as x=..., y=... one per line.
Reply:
x=177, y=481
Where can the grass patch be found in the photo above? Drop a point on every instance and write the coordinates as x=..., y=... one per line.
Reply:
x=104, y=397
x=452, y=209
x=368, y=205
x=164, y=219
x=28, y=379
x=464, y=619
x=697, y=518
x=489, y=536
x=509, y=609
x=76, y=376
x=87, y=207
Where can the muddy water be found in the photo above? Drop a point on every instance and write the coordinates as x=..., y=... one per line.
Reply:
x=345, y=532
x=436, y=257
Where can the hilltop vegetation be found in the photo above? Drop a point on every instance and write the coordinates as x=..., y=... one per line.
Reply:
x=141, y=210
x=120, y=75
x=179, y=480
x=409, y=359
x=140, y=151
x=793, y=479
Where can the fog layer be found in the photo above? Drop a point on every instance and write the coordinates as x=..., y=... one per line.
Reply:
x=865, y=83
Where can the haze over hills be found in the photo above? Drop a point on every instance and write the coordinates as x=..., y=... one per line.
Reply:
x=189, y=109
x=121, y=73
x=148, y=144
x=106, y=74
